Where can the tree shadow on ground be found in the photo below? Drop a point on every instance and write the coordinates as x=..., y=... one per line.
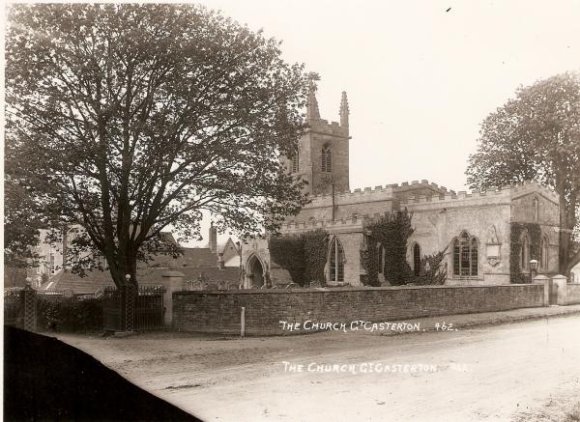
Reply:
x=46, y=379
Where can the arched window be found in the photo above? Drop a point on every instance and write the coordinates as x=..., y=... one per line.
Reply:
x=525, y=252
x=544, y=248
x=465, y=256
x=326, y=159
x=296, y=162
x=416, y=259
x=336, y=261
x=380, y=258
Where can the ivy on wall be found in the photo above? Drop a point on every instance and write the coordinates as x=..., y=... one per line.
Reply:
x=302, y=255
x=315, y=254
x=392, y=232
x=535, y=232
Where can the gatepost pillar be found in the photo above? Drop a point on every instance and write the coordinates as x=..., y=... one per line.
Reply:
x=29, y=308
x=561, y=282
x=173, y=282
x=542, y=279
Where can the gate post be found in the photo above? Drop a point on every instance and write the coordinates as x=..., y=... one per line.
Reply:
x=127, y=294
x=560, y=281
x=542, y=279
x=29, y=308
x=172, y=281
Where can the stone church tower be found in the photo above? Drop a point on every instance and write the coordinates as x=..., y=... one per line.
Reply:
x=322, y=158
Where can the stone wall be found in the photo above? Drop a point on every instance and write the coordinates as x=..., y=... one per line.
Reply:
x=572, y=293
x=219, y=312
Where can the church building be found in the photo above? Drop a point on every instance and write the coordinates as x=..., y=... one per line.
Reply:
x=489, y=237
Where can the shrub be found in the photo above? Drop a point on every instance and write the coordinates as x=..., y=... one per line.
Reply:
x=69, y=314
x=433, y=273
x=302, y=255
x=288, y=252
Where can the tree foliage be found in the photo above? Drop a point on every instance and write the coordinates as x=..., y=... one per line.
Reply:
x=131, y=118
x=21, y=226
x=536, y=136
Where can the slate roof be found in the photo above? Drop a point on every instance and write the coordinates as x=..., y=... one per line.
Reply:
x=194, y=262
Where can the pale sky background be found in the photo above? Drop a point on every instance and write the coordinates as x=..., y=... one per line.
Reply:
x=420, y=75
x=420, y=78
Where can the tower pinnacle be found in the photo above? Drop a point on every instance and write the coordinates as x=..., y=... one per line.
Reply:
x=312, y=112
x=344, y=111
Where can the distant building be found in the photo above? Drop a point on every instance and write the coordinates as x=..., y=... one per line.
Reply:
x=214, y=264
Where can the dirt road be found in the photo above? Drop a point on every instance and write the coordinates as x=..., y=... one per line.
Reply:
x=494, y=373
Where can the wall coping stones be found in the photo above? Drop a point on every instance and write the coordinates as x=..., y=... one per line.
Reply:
x=341, y=289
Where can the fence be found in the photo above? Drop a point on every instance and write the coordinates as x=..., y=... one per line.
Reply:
x=14, y=307
x=147, y=303
x=64, y=311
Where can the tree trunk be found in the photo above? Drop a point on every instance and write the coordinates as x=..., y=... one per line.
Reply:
x=563, y=233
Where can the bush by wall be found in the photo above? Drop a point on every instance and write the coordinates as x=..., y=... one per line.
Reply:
x=432, y=272
x=57, y=313
x=288, y=252
x=302, y=255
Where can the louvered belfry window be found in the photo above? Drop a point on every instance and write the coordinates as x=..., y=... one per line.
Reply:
x=326, y=159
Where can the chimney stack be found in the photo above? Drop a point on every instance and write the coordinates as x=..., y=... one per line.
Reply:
x=212, y=238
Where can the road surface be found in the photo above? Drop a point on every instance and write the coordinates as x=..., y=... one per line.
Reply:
x=483, y=374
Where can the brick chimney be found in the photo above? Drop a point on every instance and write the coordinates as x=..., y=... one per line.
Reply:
x=212, y=238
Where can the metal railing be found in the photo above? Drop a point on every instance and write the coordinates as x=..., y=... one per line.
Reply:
x=146, y=308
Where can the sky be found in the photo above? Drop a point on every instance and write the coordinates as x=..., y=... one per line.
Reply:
x=420, y=75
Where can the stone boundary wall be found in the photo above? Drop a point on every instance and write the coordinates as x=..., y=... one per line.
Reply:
x=220, y=312
x=572, y=293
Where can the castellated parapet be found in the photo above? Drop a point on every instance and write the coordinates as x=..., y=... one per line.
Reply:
x=371, y=202
x=477, y=198
x=344, y=225
x=325, y=127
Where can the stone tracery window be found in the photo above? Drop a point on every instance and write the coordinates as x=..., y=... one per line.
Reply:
x=326, y=159
x=336, y=272
x=465, y=255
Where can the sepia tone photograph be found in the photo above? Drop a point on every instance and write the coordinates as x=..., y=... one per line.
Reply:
x=223, y=210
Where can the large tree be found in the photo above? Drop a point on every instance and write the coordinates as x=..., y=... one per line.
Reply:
x=131, y=118
x=536, y=136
